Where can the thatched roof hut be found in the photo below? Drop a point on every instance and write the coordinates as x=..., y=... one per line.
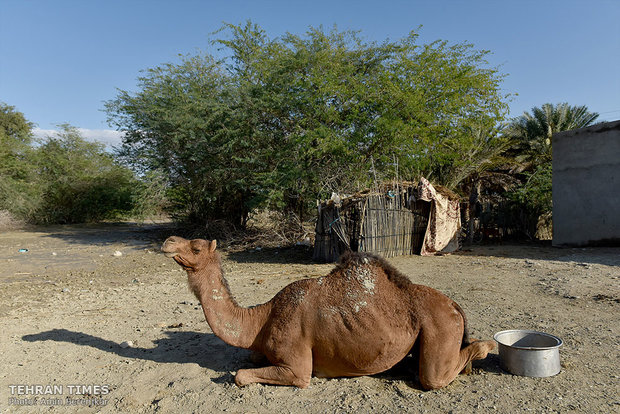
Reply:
x=392, y=220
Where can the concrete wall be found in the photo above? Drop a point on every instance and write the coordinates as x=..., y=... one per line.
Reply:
x=586, y=186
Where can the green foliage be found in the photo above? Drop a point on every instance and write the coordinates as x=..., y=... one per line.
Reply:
x=149, y=197
x=15, y=139
x=530, y=137
x=446, y=102
x=281, y=122
x=79, y=181
x=17, y=194
x=63, y=179
x=535, y=194
x=532, y=132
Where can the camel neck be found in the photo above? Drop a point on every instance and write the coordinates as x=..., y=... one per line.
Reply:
x=235, y=325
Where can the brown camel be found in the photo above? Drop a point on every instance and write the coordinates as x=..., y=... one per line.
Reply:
x=360, y=319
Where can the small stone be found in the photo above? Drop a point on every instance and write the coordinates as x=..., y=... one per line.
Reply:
x=66, y=290
x=126, y=344
x=117, y=254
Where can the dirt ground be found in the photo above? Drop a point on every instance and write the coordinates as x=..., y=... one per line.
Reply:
x=105, y=332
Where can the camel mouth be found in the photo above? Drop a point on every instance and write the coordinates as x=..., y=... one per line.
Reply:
x=170, y=254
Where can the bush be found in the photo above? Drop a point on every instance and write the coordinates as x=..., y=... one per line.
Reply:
x=18, y=195
x=535, y=200
x=149, y=197
x=535, y=193
x=65, y=179
x=8, y=221
x=77, y=181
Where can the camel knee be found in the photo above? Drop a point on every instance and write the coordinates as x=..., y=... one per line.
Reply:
x=433, y=383
x=301, y=382
x=243, y=377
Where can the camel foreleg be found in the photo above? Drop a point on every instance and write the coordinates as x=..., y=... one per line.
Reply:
x=273, y=375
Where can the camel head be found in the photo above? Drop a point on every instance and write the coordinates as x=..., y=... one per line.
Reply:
x=190, y=254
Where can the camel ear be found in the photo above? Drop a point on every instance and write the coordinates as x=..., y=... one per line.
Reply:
x=212, y=246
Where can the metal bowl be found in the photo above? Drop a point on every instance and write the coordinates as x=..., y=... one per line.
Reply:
x=529, y=353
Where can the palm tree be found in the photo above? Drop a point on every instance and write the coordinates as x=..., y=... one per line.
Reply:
x=531, y=155
x=532, y=132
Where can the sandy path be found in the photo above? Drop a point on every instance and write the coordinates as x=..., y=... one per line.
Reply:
x=65, y=316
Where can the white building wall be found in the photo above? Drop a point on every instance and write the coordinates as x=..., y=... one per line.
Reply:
x=586, y=186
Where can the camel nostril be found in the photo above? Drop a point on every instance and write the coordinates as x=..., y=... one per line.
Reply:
x=169, y=242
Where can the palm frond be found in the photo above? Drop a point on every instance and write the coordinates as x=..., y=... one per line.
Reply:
x=533, y=130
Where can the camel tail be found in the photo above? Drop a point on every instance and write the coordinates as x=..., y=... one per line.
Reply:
x=466, y=341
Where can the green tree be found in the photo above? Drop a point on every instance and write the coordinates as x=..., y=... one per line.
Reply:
x=318, y=98
x=532, y=132
x=17, y=195
x=535, y=193
x=531, y=152
x=281, y=122
x=15, y=140
x=181, y=124
x=78, y=181
x=63, y=178
x=443, y=97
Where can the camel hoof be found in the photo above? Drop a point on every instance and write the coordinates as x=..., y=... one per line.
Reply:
x=467, y=369
x=489, y=345
x=242, y=379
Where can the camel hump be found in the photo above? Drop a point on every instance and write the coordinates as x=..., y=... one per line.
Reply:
x=350, y=258
x=354, y=259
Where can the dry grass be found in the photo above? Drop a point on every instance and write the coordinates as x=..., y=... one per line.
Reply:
x=8, y=222
x=265, y=229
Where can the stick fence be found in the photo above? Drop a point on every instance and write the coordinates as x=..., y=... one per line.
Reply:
x=389, y=223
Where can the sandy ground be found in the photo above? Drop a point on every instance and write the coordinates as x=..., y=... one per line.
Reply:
x=69, y=306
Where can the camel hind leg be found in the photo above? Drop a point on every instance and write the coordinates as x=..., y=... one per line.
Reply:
x=441, y=355
x=440, y=363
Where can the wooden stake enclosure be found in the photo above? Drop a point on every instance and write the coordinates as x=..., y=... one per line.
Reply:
x=390, y=221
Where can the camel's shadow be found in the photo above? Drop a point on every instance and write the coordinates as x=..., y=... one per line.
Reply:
x=208, y=351
x=407, y=370
x=204, y=349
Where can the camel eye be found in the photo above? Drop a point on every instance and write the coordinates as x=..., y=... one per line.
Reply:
x=197, y=246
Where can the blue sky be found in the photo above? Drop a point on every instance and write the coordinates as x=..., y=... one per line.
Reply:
x=61, y=59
